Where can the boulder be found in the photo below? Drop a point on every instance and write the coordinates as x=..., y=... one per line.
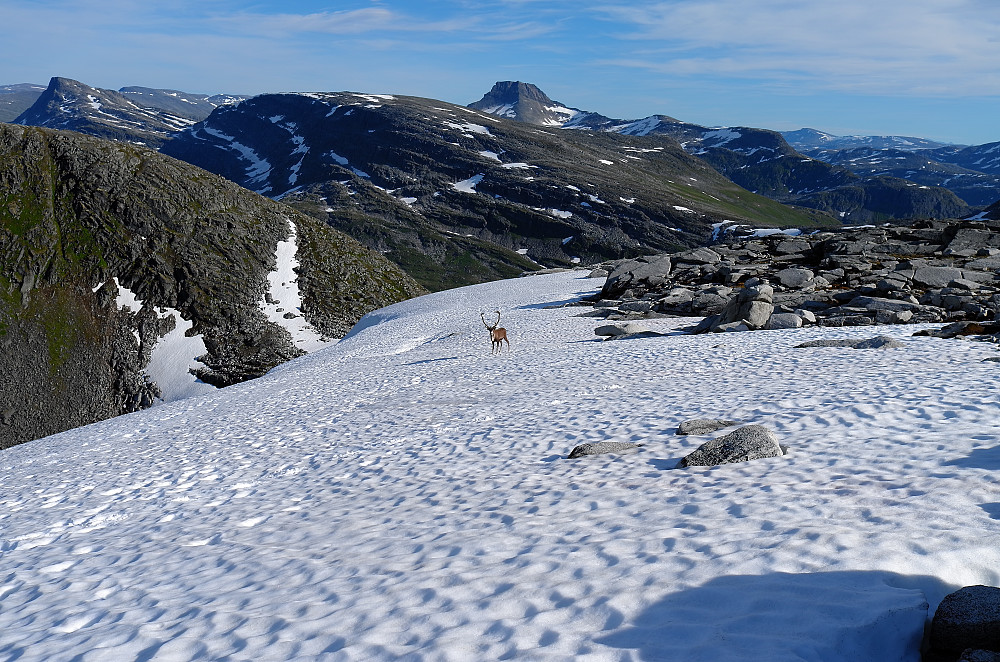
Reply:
x=878, y=342
x=967, y=618
x=699, y=256
x=961, y=329
x=620, y=329
x=703, y=425
x=751, y=307
x=877, y=303
x=602, y=447
x=936, y=276
x=975, y=655
x=639, y=306
x=794, y=277
x=750, y=442
x=783, y=321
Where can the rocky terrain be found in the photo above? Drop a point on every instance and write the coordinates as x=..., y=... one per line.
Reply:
x=133, y=114
x=759, y=160
x=82, y=218
x=932, y=271
x=457, y=196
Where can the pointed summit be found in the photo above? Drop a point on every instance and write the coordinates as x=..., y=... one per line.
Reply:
x=524, y=102
x=70, y=104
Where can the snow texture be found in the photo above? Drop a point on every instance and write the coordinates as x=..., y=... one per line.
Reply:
x=403, y=494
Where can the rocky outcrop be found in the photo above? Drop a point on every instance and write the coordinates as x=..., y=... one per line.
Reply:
x=84, y=218
x=749, y=310
x=879, y=342
x=931, y=271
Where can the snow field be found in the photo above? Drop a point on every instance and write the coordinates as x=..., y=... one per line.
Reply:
x=403, y=494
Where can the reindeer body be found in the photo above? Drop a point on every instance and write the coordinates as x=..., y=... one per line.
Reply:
x=497, y=334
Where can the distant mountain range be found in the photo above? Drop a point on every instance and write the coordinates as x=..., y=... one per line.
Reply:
x=810, y=139
x=132, y=114
x=762, y=161
x=15, y=99
x=457, y=195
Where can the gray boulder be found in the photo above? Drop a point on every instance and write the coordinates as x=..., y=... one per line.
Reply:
x=783, y=321
x=936, y=276
x=794, y=277
x=703, y=425
x=750, y=442
x=878, y=342
x=602, y=447
x=620, y=329
x=638, y=306
x=967, y=618
x=699, y=256
x=752, y=307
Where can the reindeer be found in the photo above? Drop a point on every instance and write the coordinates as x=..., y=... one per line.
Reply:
x=499, y=336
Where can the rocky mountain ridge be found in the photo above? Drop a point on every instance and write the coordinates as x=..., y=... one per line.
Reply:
x=132, y=114
x=762, y=161
x=87, y=224
x=457, y=196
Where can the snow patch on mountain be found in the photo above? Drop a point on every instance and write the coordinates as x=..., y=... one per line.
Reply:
x=468, y=127
x=468, y=185
x=641, y=127
x=257, y=169
x=174, y=356
x=283, y=306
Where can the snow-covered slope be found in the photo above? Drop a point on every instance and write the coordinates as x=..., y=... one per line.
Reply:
x=403, y=494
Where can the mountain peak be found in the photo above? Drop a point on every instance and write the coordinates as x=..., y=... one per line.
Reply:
x=524, y=102
x=514, y=91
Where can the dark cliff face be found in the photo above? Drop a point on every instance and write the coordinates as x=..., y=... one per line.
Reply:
x=78, y=214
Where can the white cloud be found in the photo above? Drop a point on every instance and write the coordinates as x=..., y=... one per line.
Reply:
x=891, y=46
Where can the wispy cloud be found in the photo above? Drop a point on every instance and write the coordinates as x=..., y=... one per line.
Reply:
x=890, y=46
x=348, y=22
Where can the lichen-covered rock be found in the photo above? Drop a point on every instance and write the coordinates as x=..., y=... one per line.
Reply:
x=750, y=442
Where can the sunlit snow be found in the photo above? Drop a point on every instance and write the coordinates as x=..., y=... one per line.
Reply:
x=468, y=185
x=285, y=307
x=406, y=495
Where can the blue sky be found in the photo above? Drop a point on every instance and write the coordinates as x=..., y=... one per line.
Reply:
x=928, y=68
